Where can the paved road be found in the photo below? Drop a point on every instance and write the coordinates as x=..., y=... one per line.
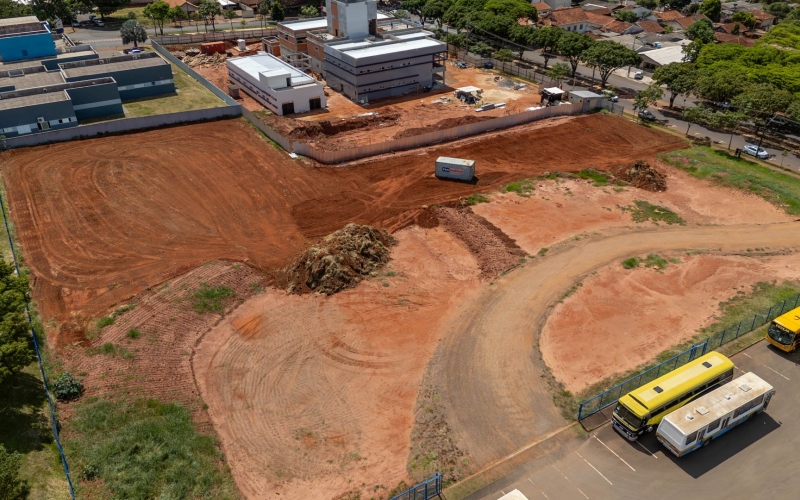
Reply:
x=755, y=460
x=490, y=377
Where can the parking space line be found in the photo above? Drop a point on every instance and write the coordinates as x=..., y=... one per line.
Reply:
x=645, y=448
x=570, y=482
x=739, y=369
x=612, y=451
x=745, y=354
x=595, y=469
x=770, y=369
x=540, y=490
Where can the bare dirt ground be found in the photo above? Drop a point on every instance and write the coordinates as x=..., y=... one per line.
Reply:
x=104, y=219
x=313, y=396
x=620, y=317
x=560, y=209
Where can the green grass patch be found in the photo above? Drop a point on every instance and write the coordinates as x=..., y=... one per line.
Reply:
x=571, y=290
x=779, y=188
x=134, y=333
x=643, y=211
x=542, y=251
x=656, y=261
x=191, y=95
x=109, y=349
x=631, y=263
x=105, y=321
x=597, y=178
x=143, y=450
x=522, y=188
x=211, y=299
x=475, y=199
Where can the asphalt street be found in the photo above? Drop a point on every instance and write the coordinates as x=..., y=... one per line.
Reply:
x=753, y=460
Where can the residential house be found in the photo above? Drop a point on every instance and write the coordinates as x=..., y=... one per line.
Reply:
x=728, y=38
x=599, y=20
x=667, y=16
x=649, y=26
x=184, y=5
x=542, y=8
x=733, y=29
x=621, y=27
x=684, y=22
x=641, y=12
x=559, y=4
x=573, y=19
x=765, y=19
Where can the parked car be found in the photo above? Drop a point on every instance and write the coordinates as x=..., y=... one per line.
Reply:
x=645, y=114
x=135, y=50
x=638, y=75
x=98, y=22
x=488, y=65
x=610, y=96
x=756, y=151
x=76, y=24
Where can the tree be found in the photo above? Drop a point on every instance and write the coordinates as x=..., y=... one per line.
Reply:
x=778, y=9
x=482, y=49
x=276, y=12
x=559, y=71
x=309, y=11
x=794, y=110
x=794, y=15
x=745, y=18
x=435, y=9
x=263, y=10
x=415, y=7
x=12, y=487
x=607, y=56
x=402, y=14
x=679, y=78
x=762, y=100
x=648, y=4
x=524, y=36
x=209, y=10
x=712, y=9
x=516, y=9
x=719, y=86
x=674, y=4
x=132, y=32
x=106, y=7
x=229, y=14
x=194, y=16
x=51, y=9
x=15, y=340
x=697, y=115
x=626, y=16
x=178, y=14
x=700, y=33
x=10, y=8
x=727, y=121
x=572, y=45
x=547, y=38
x=159, y=12
x=647, y=97
x=504, y=56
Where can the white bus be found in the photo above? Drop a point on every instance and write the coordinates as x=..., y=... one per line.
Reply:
x=706, y=418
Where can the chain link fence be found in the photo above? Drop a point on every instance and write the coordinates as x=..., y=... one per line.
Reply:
x=423, y=491
x=607, y=398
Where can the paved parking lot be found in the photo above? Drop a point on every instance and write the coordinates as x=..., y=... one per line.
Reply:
x=758, y=459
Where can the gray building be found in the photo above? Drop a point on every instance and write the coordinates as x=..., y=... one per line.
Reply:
x=64, y=54
x=137, y=76
x=370, y=68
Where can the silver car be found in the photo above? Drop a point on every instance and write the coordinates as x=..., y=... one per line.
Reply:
x=756, y=151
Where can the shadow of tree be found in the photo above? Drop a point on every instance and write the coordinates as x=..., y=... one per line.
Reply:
x=23, y=412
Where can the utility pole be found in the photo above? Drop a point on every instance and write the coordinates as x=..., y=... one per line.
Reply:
x=762, y=133
x=633, y=48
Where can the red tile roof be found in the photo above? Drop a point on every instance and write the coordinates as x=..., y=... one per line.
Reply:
x=541, y=6
x=690, y=20
x=562, y=17
x=617, y=26
x=650, y=26
x=741, y=40
x=598, y=19
x=761, y=15
x=603, y=11
x=728, y=28
x=668, y=15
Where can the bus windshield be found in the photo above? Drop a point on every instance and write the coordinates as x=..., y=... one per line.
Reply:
x=780, y=334
x=628, y=416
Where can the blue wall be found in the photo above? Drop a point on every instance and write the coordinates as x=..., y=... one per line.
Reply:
x=22, y=47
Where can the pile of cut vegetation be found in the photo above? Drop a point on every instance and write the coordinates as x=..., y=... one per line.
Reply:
x=642, y=176
x=341, y=260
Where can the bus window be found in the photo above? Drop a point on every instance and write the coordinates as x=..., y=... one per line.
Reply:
x=758, y=400
x=713, y=426
x=741, y=410
x=691, y=438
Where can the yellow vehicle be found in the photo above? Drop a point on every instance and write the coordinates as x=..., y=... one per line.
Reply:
x=784, y=331
x=642, y=409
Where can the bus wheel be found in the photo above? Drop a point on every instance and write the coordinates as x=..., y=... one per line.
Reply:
x=649, y=429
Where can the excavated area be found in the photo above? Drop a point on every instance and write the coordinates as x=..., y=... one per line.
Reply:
x=620, y=318
x=104, y=219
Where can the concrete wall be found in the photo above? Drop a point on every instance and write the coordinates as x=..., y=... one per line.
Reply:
x=23, y=121
x=230, y=101
x=273, y=99
x=17, y=48
x=137, y=83
x=95, y=101
x=52, y=64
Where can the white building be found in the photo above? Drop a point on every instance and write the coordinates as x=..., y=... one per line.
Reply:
x=278, y=86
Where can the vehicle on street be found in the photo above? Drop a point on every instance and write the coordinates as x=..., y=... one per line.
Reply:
x=646, y=114
x=98, y=22
x=756, y=151
x=784, y=331
x=642, y=409
x=135, y=50
x=696, y=424
x=76, y=24
x=638, y=75
x=610, y=96
x=488, y=65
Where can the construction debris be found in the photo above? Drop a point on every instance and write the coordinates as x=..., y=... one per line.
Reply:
x=642, y=176
x=506, y=83
x=341, y=260
x=214, y=60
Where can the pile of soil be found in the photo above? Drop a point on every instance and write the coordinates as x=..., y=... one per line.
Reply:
x=442, y=125
x=341, y=260
x=298, y=130
x=214, y=60
x=642, y=176
x=506, y=83
x=495, y=251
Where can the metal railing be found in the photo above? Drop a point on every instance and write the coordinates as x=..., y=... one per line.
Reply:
x=610, y=396
x=214, y=36
x=423, y=491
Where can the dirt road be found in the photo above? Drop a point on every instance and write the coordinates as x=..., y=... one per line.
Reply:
x=493, y=382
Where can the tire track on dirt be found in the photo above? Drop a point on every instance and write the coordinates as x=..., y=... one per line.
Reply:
x=493, y=382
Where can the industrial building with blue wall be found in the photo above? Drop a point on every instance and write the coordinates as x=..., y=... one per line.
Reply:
x=25, y=38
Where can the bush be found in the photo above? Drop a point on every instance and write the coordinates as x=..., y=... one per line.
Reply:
x=65, y=387
x=12, y=487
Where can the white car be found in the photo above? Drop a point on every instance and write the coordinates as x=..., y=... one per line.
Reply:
x=98, y=22
x=756, y=151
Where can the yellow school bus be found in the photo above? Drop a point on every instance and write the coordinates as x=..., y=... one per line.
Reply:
x=783, y=331
x=642, y=409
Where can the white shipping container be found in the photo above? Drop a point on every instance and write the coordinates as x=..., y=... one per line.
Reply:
x=455, y=168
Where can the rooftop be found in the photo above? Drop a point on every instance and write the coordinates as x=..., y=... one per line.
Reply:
x=261, y=63
x=38, y=62
x=665, y=55
x=568, y=16
x=19, y=25
x=27, y=81
x=690, y=20
x=650, y=26
x=599, y=19
x=305, y=24
x=668, y=15
x=541, y=6
x=110, y=64
x=585, y=94
x=617, y=26
x=727, y=38
x=362, y=49
x=31, y=100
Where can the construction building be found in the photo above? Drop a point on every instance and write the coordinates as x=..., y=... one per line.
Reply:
x=25, y=38
x=277, y=85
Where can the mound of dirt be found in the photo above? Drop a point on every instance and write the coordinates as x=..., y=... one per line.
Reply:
x=214, y=60
x=642, y=176
x=506, y=83
x=341, y=260
x=442, y=125
x=298, y=130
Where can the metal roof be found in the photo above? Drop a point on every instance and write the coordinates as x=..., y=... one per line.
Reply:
x=585, y=94
x=255, y=65
x=92, y=69
x=31, y=100
x=665, y=55
x=378, y=49
x=31, y=80
x=305, y=24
